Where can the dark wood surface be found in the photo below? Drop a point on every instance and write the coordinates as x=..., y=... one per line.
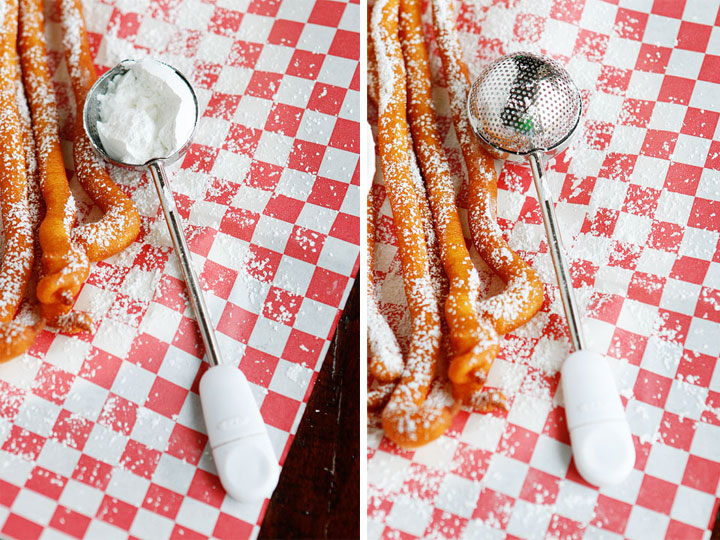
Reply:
x=318, y=495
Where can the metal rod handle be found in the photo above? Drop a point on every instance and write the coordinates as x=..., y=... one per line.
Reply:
x=547, y=207
x=197, y=300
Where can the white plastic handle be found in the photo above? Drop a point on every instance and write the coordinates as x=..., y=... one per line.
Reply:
x=602, y=445
x=243, y=455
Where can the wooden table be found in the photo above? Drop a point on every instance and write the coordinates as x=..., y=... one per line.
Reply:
x=318, y=495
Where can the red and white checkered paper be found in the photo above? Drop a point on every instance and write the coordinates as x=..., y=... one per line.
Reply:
x=101, y=434
x=639, y=205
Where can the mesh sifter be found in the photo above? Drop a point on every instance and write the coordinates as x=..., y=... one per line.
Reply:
x=525, y=107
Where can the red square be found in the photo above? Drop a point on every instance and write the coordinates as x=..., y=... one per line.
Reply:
x=611, y=514
x=258, y=366
x=711, y=414
x=239, y=223
x=279, y=411
x=636, y=112
x=151, y=258
x=659, y=143
x=118, y=414
x=700, y=123
x=242, y=140
x=567, y=10
x=346, y=135
x=305, y=64
x=263, y=176
x=263, y=263
x=676, y=90
x=556, y=426
x=656, y=494
x=628, y=346
x=225, y=21
x=327, y=287
x=100, y=368
x=326, y=99
x=107, y=277
x=70, y=522
x=693, y=36
x=23, y=443
x=284, y=119
x=126, y=24
x=46, y=482
x=562, y=527
x=653, y=58
x=148, y=351
x=707, y=306
x=327, y=13
x=696, y=368
x=710, y=70
x=269, y=8
x=52, y=383
x=116, y=512
x=470, y=462
x=306, y=156
x=222, y=106
x=602, y=223
x=170, y=293
x=652, y=388
x=703, y=214
x=518, y=443
x=646, y=288
x=540, y=487
x=677, y=529
x=166, y=398
x=528, y=27
x=577, y=189
x=244, y=54
x=303, y=348
x=346, y=45
x=630, y=24
x=11, y=401
x=19, y=527
x=683, y=178
x=674, y=326
x=495, y=506
x=71, y=430
x=701, y=474
x=346, y=227
x=641, y=201
x=236, y=322
x=618, y=166
x=281, y=306
x=422, y=483
x=206, y=74
x=283, y=208
x=591, y=45
x=613, y=80
x=605, y=307
x=263, y=84
x=230, y=528
x=668, y=8
x=676, y=431
x=186, y=444
x=162, y=501
x=665, y=236
x=140, y=459
x=8, y=492
x=218, y=279
x=92, y=472
x=200, y=158
x=206, y=487
x=285, y=33
x=445, y=525
x=305, y=244
x=690, y=269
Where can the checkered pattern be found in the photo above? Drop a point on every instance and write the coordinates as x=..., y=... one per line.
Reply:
x=101, y=434
x=638, y=200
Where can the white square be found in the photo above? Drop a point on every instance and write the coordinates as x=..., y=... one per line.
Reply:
x=254, y=28
x=704, y=95
x=627, y=139
x=37, y=415
x=269, y=336
x=637, y=317
x=274, y=58
x=337, y=71
x=179, y=367
x=598, y=17
x=294, y=11
x=81, y=498
x=644, y=523
x=252, y=111
x=662, y=357
x=316, y=127
x=231, y=166
x=114, y=337
x=667, y=116
x=291, y=379
x=272, y=233
x=151, y=525
x=213, y=47
x=576, y=501
x=529, y=517
x=409, y=515
x=160, y=322
x=133, y=382
x=529, y=411
x=477, y=528
x=644, y=85
x=594, y=533
x=173, y=473
x=709, y=180
x=58, y=458
x=295, y=91
x=315, y=318
x=230, y=252
x=316, y=38
x=295, y=184
x=249, y=293
x=251, y=198
x=233, y=80
x=458, y=495
x=152, y=429
x=699, y=243
x=608, y=193
x=338, y=256
x=585, y=73
x=702, y=337
x=197, y=516
x=680, y=296
x=127, y=487
x=506, y=376
x=654, y=261
x=551, y=456
x=627, y=490
x=273, y=148
x=661, y=30
x=34, y=506
x=438, y=454
x=686, y=400
x=68, y=353
x=649, y=172
x=97, y=18
x=644, y=420
x=211, y=131
x=691, y=150
x=586, y=162
x=713, y=46
x=505, y=475
x=105, y=445
x=621, y=52
x=190, y=414
x=350, y=106
x=706, y=441
x=684, y=64
x=387, y=472
x=674, y=207
x=85, y=399
x=316, y=218
x=604, y=107
x=666, y=462
x=712, y=278
x=558, y=38
x=141, y=284
x=693, y=507
x=101, y=529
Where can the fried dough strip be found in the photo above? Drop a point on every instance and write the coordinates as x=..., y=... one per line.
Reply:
x=120, y=223
x=65, y=266
x=473, y=341
x=18, y=257
x=523, y=293
x=409, y=419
